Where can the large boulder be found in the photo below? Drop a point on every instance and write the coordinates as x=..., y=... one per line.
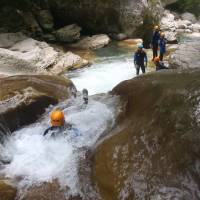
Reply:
x=154, y=148
x=68, y=61
x=7, y=191
x=25, y=55
x=94, y=42
x=68, y=33
x=196, y=27
x=189, y=16
x=186, y=56
x=7, y=40
x=24, y=98
x=107, y=17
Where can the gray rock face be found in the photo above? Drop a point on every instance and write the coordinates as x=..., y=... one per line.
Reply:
x=94, y=42
x=189, y=16
x=112, y=16
x=68, y=61
x=24, y=55
x=45, y=19
x=186, y=56
x=69, y=33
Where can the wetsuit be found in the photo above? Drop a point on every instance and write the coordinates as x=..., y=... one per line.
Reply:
x=162, y=46
x=140, y=58
x=154, y=43
x=85, y=96
x=54, y=130
x=160, y=66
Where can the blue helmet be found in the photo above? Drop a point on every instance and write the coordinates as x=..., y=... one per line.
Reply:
x=140, y=46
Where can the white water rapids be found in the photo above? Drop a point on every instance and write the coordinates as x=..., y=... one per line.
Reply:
x=35, y=159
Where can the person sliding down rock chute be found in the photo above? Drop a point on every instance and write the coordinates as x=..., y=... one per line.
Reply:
x=85, y=96
x=59, y=125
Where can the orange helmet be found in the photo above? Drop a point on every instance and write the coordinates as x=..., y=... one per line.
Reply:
x=57, y=118
x=156, y=27
x=156, y=59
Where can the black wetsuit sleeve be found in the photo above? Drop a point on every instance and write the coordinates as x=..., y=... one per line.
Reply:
x=47, y=131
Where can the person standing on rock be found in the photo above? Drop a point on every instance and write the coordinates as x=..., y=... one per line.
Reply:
x=140, y=59
x=154, y=41
x=162, y=45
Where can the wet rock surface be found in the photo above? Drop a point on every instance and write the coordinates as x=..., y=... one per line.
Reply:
x=7, y=192
x=154, y=150
x=93, y=42
x=47, y=191
x=24, y=98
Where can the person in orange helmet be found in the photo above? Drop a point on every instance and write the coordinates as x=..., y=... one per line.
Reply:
x=159, y=65
x=58, y=123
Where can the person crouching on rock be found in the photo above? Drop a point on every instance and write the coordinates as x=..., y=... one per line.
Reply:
x=159, y=65
x=162, y=45
x=58, y=123
x=154, y=41
x=140, y=59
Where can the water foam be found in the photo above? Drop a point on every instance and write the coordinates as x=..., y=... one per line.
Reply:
x=35, y=159
x=104, y=76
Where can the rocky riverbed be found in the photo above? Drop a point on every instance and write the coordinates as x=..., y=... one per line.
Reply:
x=139, y=141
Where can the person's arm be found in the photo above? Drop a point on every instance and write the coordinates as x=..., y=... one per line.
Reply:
x=135, y=59
x=47, y=131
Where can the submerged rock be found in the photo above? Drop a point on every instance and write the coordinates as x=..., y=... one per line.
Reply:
x=24, y=98
x=154, y=152
x=68, y=33
x=94, y=42
x=7, y=192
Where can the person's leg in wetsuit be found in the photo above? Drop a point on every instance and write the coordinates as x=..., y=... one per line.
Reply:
x=161, y=56
x=143, y=69
x=155, y=51
x=137, y=69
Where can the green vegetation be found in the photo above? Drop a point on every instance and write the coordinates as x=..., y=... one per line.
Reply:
x=192, y=6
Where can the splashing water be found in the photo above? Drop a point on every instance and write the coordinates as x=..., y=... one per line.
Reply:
x=36, y=159
x=105, y=75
